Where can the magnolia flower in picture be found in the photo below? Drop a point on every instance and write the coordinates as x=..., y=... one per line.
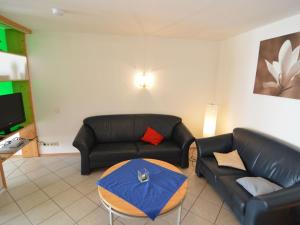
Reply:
x=286, y=69
x=278, y=71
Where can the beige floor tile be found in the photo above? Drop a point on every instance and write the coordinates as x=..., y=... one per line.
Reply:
x=226, y=217
x=96, y=174
x=5, y=198
x=57, y=165
x=72, y=160
x=75, y=179
x=97, y=217
x=210, y=195
x=192, y=219
x=67, y=197
x=171, y=217
x=80, y=208
x=19, y=220
x=77, y=166
x=133, y=221
x=45, y=181
x=81, y=202
x=94, y=196
x=157, y=221
x=50, y=161
x=33, y=175
x=9, y=212
x=23, y=190
x=66, y=171
x=8, y=167
x=18, y=161
x=189, y=200
x=13, y=182
x=56, y=188
x=42, y=212
x=60, y=218
x=196, y=185
x=28, y=167
x=86, y=186
x=206, y=209
x=15, y=173
x=28, y=202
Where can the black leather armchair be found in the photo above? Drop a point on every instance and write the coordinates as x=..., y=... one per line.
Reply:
x=263, y=156
x=106, y=140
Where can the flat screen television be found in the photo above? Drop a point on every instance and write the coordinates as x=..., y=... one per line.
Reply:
x=11, y=111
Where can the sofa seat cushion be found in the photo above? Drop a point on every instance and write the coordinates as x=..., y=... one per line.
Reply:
x=209, y=166
x=113, y=152
x=237, y=197
x=164, y=150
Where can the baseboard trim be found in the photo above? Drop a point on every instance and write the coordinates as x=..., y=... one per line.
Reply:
x=59, y=154
x=49, y=155
x=67, y=154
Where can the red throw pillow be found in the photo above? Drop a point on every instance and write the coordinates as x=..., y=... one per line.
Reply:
x=152, y=136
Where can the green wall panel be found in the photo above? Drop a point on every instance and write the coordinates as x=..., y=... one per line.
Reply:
x=6, y=87
x=12, y=41
x=15, y=42
x=3, y=43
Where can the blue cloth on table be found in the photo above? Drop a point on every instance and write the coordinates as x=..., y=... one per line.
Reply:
x=151, y=196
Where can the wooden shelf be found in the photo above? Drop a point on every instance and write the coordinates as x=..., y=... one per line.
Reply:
x=27, y=132
x=6, y=152
x=4, y=20
x=14, y=80
x=12, y=53
x=14, y=36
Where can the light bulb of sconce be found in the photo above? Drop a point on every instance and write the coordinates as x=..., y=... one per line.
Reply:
x=139, y=80
x=144, y=80
x=149, y=80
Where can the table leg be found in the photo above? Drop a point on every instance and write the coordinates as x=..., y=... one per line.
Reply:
x=2, y=175
x=110, y=216
x=179, y=215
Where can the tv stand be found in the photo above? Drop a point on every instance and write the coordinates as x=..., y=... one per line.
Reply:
x=9, y=131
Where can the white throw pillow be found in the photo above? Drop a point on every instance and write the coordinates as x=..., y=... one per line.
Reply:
x=230, y=159
x=257, y=185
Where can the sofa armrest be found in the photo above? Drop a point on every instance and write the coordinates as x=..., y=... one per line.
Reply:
x=220, y=143
x=274, y=208
x=182, y=136
x=84, y=139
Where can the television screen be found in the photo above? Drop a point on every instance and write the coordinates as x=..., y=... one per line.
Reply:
x=11, y=111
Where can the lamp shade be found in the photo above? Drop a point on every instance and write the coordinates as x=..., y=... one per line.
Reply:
x=210, y=120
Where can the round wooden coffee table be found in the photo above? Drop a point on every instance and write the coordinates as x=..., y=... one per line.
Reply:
x=118, y=206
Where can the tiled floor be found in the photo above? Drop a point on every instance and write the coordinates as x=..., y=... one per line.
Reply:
x=51, y=191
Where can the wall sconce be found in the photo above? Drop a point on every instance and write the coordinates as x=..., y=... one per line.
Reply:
x=210, y=120
x=144, y=80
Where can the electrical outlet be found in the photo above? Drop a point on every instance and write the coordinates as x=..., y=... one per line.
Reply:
x=49, y=143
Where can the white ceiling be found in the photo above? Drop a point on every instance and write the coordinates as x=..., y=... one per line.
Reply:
x=195, y=19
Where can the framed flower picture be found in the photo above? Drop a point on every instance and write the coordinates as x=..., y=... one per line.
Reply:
x=278, y=67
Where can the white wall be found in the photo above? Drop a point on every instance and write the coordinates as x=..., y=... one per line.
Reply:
x=80, y=75
x=239, y=107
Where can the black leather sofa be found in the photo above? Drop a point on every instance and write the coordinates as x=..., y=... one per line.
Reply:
x=263, y=156
x=106, y=140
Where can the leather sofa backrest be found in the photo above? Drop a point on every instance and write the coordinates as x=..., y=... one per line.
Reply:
x=131, y=127
x=267, y=157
